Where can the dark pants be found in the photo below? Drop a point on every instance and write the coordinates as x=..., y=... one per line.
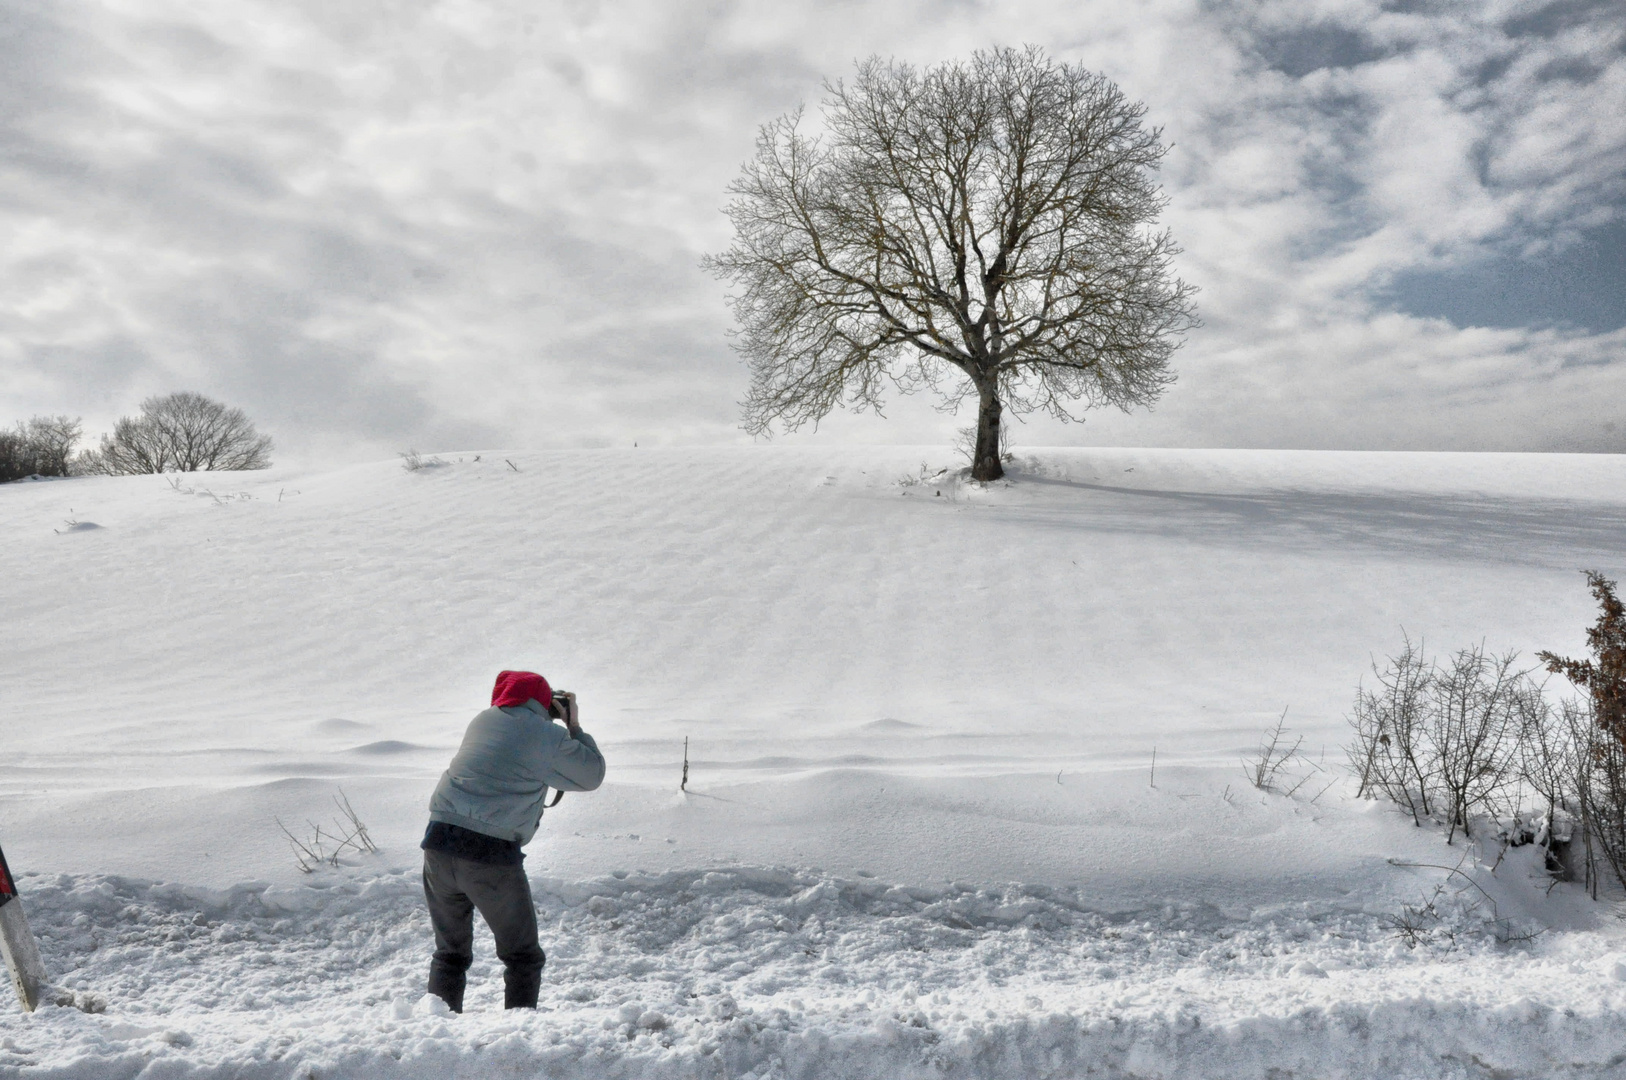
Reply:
x=455, y=888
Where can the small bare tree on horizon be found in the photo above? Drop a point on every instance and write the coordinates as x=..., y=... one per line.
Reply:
x=181, y=432
x=42, y=446
x=986, y=220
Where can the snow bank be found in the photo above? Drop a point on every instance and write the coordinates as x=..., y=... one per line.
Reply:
x=748, y=971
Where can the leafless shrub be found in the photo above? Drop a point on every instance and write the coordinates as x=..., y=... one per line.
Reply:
x=219, y=499
x=1547, y=764
x=1546, y=753
x=1592, y=765
x=1444, y=742
x=1600, y=791
x=1441, y=912
x=1474, y=726
x=1264, y=768
x=1388, y=756
x=182, y=432
x=1477, y=737
x=924, y=476
x=357, y=830
x=324, y=846
x=1416, y=924
x=412, y=461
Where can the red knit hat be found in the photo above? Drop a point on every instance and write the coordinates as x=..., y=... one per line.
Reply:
x=518, y=687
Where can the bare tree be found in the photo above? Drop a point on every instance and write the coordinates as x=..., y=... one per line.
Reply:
x=130, y=449
x=53, y=439
x=988, y=220
x=41, y=446
x=16, y=456
x=182, y=432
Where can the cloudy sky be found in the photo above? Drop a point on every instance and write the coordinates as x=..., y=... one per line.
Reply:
x=389, y=223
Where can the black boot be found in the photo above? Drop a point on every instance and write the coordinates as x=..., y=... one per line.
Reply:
x=446, y=981
x=521, y=985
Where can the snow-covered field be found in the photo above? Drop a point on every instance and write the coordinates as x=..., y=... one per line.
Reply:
x=923, y=835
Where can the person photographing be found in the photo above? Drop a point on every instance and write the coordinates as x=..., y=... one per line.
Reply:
x=485, y=809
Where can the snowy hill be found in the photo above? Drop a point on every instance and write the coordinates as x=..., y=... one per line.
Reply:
x=922, y=832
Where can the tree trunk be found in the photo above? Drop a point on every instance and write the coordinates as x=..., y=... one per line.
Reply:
x=985, y=464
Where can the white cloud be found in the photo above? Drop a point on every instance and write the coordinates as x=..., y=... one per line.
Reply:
x=478, y=223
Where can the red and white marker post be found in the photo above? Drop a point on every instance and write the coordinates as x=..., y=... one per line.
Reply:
x=17, y=942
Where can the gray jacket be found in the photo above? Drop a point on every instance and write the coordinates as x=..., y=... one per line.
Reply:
x=500, y=775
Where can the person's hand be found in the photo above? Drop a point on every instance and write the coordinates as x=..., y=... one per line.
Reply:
x=571, y=719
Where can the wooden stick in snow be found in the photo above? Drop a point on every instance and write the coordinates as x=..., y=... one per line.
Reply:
x=17, y=943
